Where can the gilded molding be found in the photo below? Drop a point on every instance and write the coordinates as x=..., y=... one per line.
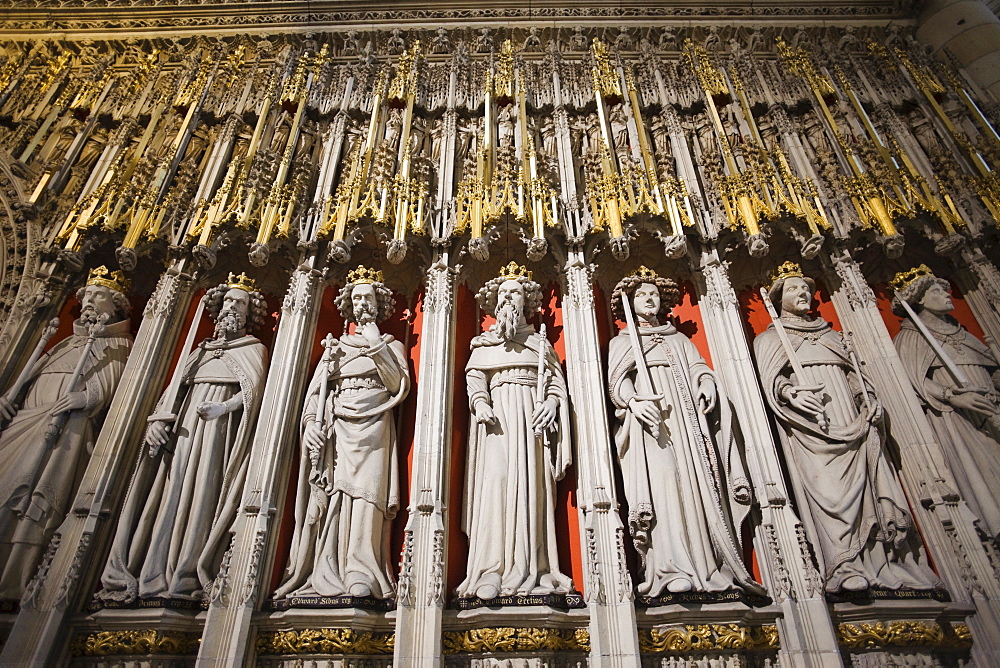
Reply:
x=508, y=639
x=135, y=643
x=903, y=634
x=708, y=637
x=325, y=641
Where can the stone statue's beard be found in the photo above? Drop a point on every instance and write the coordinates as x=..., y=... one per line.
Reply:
x=364, y=313
x=89, y=315
x=508, y=318
x=228, y=323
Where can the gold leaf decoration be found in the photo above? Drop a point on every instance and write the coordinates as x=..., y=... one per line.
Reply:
x=903, y=634
x=135, y=643
x=705, y=637
x=325, y=641
x=509, y=639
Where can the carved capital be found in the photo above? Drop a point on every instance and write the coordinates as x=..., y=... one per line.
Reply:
x=439, y=290
x=578, y=291
x=163, y=301
x=301, y=290
x=852, y=282
x=718, y=287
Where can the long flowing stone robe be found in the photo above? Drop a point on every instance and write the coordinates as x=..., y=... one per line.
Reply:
x=37, y=484
x=348, y=497
x=687, y=489
x=181, y=504
x=510, y=483
x=970, y=442
x=849, y=497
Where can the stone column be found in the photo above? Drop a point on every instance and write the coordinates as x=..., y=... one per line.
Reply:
x=420, y=596
x=40, y=634
x=970, y=32
x=226, y=639
x=36, y=304
x=967, y=564
x=614, y=639
x=792, y=580
x=980, y=283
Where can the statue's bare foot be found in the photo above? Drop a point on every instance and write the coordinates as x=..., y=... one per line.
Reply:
x=487, y=592
x=360, y=590
x=679, y=586
x=854, y=583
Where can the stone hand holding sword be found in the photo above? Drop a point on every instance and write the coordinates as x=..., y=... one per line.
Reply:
x=804, y=398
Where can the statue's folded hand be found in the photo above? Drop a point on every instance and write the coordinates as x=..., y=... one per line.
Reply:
x=157, y=434
x=874, y=412
x=544, y=416
x=71, y=401
x=211, y=410
x=648, y=412
x=7, y=410
x=804, y=399
x=313, y=436
x=972, y=399
x=484, y=413
x=707, y=395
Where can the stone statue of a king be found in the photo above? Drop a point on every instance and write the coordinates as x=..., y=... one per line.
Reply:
x=685, y=480
x=830, y=419
x=519, y=447
x=54, y=416
x=957, y=378
x=184, y=495
x=348, y=488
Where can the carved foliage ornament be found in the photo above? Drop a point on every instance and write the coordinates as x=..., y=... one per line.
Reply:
x=903, y=634
x=508, y=639
x=135, y=643
x=708, y=637
x=325, y=641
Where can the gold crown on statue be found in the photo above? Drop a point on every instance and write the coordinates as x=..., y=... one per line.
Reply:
x=644, y=272
x=786, y=270
x=514, y=271
x=109, y=279
x=364, y=275
x=902, y=280
x=242, y=282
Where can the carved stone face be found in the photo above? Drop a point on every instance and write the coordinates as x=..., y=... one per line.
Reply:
x=513, y=292
x=236, y=302
x=364, y=303
x=796, y=296
x=646, y=301
x=937, y=300
x=97, y=300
